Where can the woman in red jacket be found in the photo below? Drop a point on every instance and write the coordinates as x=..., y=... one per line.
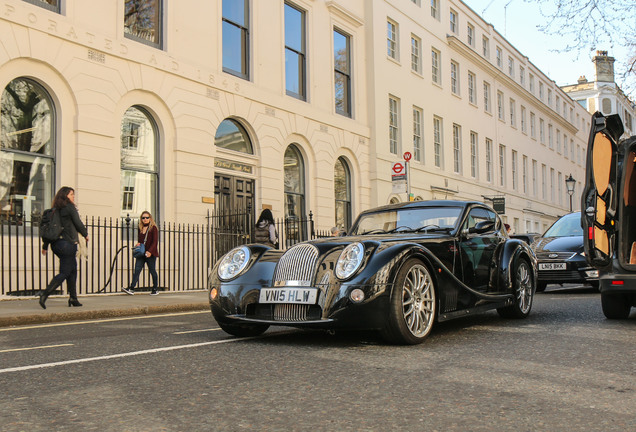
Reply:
x=148, y=235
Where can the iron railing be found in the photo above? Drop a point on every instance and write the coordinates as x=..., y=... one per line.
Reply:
x=186, y=251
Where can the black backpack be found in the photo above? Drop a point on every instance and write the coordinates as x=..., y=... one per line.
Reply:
x=51, y=225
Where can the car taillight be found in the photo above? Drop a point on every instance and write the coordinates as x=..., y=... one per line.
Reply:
x=618, y=282
x=590, y=233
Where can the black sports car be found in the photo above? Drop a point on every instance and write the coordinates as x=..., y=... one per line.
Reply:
x=400, y=268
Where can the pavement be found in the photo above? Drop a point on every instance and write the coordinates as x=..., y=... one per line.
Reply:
x=26, y=310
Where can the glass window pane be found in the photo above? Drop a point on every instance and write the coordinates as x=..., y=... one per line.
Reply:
x=139, y=192
x=232, y=48
x=294, y=28
x=26, y=141
x=25, y=185
x=294, y=171
x=234, y=10
x=292, y=72
x=138, y=146
x=341, y=52
x=142, y=19
x=231, y=135
x=26, y=118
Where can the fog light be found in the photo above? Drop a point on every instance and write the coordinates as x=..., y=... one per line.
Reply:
x=592, y=273
x=357, y=295
x=213, y=293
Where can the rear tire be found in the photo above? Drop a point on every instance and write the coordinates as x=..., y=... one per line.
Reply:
x=615, y=306
x=244, y=330
x=413, y=305
x=522, y=285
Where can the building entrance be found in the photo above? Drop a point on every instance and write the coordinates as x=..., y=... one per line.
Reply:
x=233, y=193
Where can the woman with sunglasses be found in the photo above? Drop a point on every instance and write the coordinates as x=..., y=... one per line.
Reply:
x=148, y=235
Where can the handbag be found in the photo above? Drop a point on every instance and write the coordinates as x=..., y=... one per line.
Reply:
x=139, y=251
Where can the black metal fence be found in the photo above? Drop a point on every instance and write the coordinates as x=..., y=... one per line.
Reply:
x=186, y=251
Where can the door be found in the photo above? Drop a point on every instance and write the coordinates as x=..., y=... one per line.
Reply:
x=600, y=198
x=478, y=247
x=233, y=217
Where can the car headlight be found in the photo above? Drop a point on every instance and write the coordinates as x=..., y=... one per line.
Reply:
x=349, y=260
x=233, y=263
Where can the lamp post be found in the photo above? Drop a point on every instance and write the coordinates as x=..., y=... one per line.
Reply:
x=570, y=183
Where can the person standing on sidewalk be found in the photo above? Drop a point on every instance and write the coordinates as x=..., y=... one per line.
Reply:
x=65, y=247
x=148, y=235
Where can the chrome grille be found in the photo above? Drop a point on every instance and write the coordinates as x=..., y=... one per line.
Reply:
x=290, y=312
x=560, y=256
x=297, y=266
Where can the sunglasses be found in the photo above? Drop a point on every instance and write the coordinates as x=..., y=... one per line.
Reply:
x=145, y=217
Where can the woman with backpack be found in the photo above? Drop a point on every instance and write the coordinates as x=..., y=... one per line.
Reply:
x=265, y=232
x=147, y=235
x=65, y=246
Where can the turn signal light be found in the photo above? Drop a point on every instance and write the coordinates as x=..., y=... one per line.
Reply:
x=213, y=293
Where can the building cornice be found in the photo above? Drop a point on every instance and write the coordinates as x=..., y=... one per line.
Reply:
x=343, y=13
x=455, y=43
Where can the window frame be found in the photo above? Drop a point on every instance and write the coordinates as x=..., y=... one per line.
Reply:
x=346, y=74
x=160, y=25
x=244, y=73
x=302, y=54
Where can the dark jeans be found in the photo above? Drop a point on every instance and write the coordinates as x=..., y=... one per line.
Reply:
x=65, y=251
x=139, y=266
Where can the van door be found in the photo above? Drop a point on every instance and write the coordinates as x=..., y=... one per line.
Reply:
x=600, y=194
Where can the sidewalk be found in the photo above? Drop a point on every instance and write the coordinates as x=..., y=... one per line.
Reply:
x=26, y=310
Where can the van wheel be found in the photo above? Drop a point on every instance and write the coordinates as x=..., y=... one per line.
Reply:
x=615, y=306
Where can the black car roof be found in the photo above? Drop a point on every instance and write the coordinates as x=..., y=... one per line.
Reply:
x=431, y=203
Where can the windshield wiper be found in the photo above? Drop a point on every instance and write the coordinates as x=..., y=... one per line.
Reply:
x=401, y=228
x=434, y=228
x=374, y=231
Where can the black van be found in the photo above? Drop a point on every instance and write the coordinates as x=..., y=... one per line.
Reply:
x=609, y=213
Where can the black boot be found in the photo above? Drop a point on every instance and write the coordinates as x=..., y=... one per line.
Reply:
x=73, y=302
x=44, y=295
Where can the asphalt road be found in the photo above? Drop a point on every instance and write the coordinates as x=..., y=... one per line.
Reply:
x=564, y=368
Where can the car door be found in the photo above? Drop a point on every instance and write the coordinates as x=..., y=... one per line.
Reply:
x=600, y=198
x=477, y=248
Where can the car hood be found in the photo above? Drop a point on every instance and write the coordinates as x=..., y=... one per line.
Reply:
x=559, y=244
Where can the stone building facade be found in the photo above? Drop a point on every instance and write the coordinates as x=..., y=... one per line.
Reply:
x=297, y=105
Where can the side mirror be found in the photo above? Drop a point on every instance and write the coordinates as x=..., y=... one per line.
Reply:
x=482, y=227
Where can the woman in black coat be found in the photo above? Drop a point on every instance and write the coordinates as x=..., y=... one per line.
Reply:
x=65, y=247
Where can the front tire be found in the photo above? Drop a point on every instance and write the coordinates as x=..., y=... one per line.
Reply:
x=523, y=287
x=615, y=306
x=244, y=330
x=413, y=305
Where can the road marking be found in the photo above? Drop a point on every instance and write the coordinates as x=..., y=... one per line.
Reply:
x=97, y=321
x=122, y=355
x=197, y=331
x=33, y=348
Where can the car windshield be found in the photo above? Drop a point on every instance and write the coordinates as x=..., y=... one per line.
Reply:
x=567, y=226
x=408, y=219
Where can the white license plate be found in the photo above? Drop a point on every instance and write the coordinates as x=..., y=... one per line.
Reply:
x=288, y=295
x=552, y=266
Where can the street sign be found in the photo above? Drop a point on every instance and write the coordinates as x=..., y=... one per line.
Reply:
x=407, y=156
x=499, y=204
x=398, y=168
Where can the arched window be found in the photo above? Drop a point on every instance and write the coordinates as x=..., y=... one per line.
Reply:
x=231, y=135
x=342, y=192
x=294, y=183
x=27, y=156
x=139, y=164
x=394, y=200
